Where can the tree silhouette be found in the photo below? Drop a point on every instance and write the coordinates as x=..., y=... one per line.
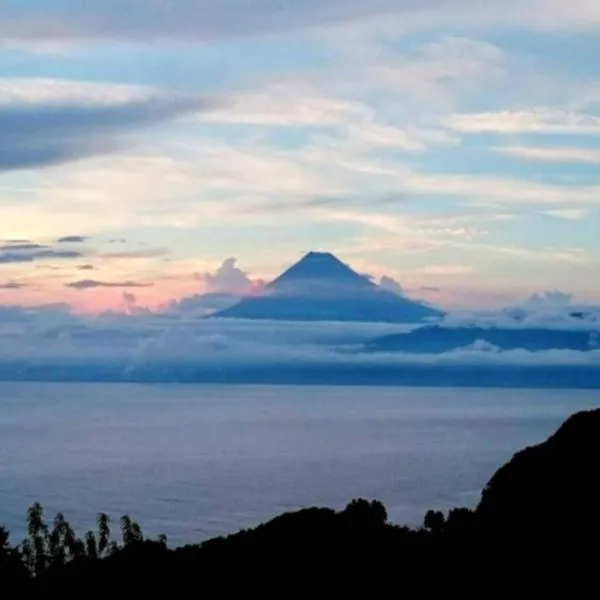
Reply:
x=363, y=512
x=4, y=539
x=36, y=550
x=103, y=522
x=131, y=532
x=434, y=522
x=91, y=546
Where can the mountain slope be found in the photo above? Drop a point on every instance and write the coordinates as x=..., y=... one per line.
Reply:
x=321, y=288
x=435, y=339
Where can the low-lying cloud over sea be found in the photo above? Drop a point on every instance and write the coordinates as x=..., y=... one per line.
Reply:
x=52, y=343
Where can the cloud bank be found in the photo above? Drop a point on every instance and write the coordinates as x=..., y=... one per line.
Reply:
x=49, y=343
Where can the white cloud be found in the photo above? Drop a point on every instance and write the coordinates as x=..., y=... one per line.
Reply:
x=52, y=92
x=570, y=214
x=319, y=106
x=228, y=278
x=550, y=310
x=447, y=269
x=552, y=298
x=497, y=189
x=548, y=154
x=289, y=104
x=538, y=121
x=221, y=289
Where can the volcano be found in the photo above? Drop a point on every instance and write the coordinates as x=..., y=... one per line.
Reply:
x=320, y=287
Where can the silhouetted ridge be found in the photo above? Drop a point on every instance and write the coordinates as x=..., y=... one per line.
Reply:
x=435, y=339
x=320, y=287
x=549, y=491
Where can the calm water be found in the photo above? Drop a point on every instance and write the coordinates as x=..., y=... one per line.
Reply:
x=195, y=461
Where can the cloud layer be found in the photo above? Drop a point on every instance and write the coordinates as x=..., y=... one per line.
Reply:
x=210, y=19
x=50, y=343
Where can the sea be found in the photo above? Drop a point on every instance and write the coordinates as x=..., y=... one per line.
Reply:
x=197, y=461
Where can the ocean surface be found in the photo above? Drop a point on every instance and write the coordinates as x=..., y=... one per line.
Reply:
x=198, y=461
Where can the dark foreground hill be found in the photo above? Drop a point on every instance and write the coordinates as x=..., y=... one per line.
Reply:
x=535, y=531
x=321, y=288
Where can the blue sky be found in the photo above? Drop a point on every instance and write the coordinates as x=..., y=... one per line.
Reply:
x=455, y=146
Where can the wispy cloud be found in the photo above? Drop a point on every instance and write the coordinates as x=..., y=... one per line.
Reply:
x=89, y=284
x=570, y=214
x=447, y=269
x=552, y=154
x=35, y=255
x=538, y=121
x=20, y=246
x=134, y=254
x=72, y=239
x=12, y=285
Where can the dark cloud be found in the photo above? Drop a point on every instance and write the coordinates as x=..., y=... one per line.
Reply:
x=117, y=241
x=145, y=253
x=72, y=239
x=41, y=254
x=18, y=246
x=35, y=134
x=86, y=267
x=89, y=284
x=12, y=285
x=12, y=242
x=428, y=288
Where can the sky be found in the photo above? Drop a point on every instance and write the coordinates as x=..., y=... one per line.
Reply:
x=157, y=150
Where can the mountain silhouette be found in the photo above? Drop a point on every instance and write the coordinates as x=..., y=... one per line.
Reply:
x=320, y=287
x=433, y=339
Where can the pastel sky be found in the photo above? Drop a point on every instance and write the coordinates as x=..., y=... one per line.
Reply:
x=454, y=148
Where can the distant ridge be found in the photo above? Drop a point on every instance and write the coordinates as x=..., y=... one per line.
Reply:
x=433, y=339
x=320, y=287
